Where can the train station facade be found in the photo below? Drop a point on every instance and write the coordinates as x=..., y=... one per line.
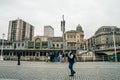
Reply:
x=37, y=48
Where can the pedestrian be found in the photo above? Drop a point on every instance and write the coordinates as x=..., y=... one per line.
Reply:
x=56, y=56
x=52, y=57
x=19, y=57
x=47, y=55
x=63, y=57
x=71, y=60
x=60, y=57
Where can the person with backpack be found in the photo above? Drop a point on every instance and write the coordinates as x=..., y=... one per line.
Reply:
x=71, y=60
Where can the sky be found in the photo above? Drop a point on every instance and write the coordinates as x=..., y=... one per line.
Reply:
x=90, y=14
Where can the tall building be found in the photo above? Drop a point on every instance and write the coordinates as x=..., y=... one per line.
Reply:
x=48, y=31
x=20, y=30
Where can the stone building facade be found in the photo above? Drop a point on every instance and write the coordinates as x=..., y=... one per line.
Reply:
x=74, y=38
x=103, y=38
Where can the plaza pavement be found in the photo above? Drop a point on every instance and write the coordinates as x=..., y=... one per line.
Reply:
x=9, y=70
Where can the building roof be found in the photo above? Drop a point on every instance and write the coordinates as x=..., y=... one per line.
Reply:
x=79, y=28
x=48, y=26
x=107, y=29
x=71, y=31
x=57, y=39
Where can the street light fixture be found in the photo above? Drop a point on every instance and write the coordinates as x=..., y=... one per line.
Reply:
x=1, y=56
x=63, y=29
x=113, y=30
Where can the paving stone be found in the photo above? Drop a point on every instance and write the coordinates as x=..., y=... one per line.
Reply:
x=9, y=70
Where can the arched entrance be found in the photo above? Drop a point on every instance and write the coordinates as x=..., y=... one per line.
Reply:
x=112, y=57
x=101, y=57
x=37, y=56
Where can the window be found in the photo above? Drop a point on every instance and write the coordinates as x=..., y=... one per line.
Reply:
x=68, y=36
x=57, y=45
x=74, y=36
x=22, y=44
x=53, y=45
x=61, y=45
x=18, y=44
x=14, y=45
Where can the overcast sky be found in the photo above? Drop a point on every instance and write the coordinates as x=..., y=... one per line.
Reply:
x=90, y=14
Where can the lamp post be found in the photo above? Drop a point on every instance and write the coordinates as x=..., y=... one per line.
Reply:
x=1, y=56
x=63, y=29
x=113, y=30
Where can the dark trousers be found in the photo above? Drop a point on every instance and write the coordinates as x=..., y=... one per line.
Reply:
x=18, y=62
x=71, y=68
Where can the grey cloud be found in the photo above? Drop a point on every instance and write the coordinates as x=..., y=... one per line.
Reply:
x=91, y=14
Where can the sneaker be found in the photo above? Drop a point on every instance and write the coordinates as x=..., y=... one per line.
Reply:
x=71, y=75
x=74, y=72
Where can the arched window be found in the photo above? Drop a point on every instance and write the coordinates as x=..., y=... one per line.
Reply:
x=53, y=45
x=57, y=45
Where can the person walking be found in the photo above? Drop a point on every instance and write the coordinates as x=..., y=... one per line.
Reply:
x=19, y=56
x=47, y=55
x=71, y=60
x=60, y=57
x=56, y=56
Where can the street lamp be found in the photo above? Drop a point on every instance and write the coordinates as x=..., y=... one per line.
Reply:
x=63, y=29
x=113, y=30
x=1, y=56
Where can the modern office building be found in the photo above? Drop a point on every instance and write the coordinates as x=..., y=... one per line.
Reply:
x=48, y=31
x=20, y=30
